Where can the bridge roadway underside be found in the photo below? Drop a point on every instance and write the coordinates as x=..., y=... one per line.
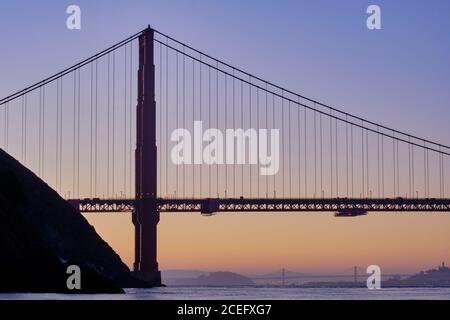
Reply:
x=213, y=205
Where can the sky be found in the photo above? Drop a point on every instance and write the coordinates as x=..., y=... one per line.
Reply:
x=398, y=76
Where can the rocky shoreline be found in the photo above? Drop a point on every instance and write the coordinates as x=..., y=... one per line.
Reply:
x=41, y=235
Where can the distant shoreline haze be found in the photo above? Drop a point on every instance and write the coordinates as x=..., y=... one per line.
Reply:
x=437, y=276
x=318, y=244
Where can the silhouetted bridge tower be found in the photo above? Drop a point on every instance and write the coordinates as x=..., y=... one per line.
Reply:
x=145, y=213
x=330, y=161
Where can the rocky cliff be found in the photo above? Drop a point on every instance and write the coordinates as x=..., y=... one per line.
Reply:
x=41, y=234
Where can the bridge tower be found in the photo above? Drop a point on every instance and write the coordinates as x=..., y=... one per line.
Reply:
x=146, y=215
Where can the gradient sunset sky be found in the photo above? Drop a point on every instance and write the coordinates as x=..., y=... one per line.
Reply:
x=398, y=76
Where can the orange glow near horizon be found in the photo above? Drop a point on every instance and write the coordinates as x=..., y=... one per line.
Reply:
x=303, y=242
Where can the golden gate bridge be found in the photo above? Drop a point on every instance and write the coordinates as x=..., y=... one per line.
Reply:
x=99, y=133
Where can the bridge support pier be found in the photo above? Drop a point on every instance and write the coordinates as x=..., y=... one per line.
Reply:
x=137, y=240
x=146, y=215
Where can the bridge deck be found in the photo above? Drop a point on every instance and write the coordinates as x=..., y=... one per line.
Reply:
x=212, y=205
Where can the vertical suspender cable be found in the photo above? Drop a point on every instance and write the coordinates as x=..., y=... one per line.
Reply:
x=440, y=173
x=250, y=125
x=398, y=170
x=257, y=145
x=25, y=130
x=78, y=132
x=234, y=127
x=351, y=160
x=242, y=126
x=273, y=126
x=412, y=172
x=113, y=124
x=267, y=127
x=290, y=142
x=184, y=118
x=225, y=118
x=91, y=109
x=22, y=128
x=336, y=152
x=200, y=116
x=61, y=131
x=299, y=146
x=96, y=129
x=331, y=155
x=315, y=151
x=57, y=136
x=108, y=128
x=346, y=152
x=393, y=163
x=167, y=119
x=362, y=160
x=43, y=133
x=40, y=131
x=424, y=171
x=131, y=118
x=177, y=117
x=74, y=132
x=217, y=121
x=193, y=119
x=382, y=166
x=160, y=110
x=6, y=125
x=209, y=125
x=368, y=191
x=378, y=164
x=305, y=155
x=125, y=125
x=428, y=173
x=443, y=176
x=409, y=168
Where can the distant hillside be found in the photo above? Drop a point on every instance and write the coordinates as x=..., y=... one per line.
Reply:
x=181, y=274
x=41, y=234
x=212, y=279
